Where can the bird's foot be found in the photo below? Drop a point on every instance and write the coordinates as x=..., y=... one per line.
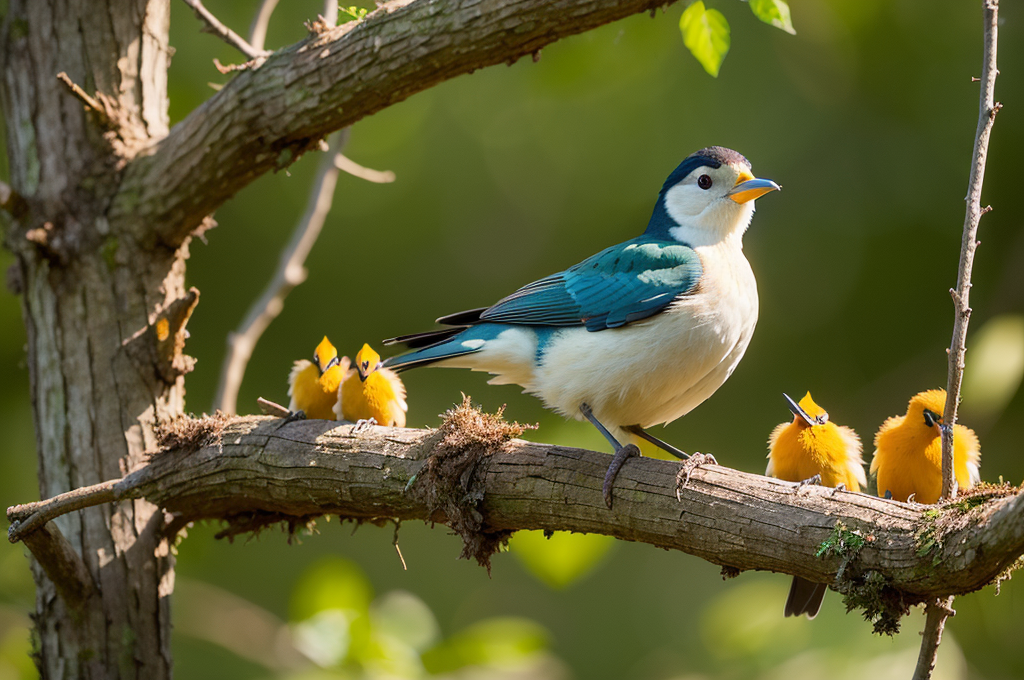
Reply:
x=621, y=456
x=363, y=424
x=888, y=495
x=810, y=481
x=838, y=487
x=687, y=468
x=291, y=418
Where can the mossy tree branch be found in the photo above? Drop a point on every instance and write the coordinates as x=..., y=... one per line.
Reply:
x=251, y=471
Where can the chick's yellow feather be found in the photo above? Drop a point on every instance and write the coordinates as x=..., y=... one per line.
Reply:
x=908, y=452
x=371, y=391
x=799, y=451
x=313, y=387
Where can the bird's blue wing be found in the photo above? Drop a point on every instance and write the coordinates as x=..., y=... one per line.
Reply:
x=619, y=285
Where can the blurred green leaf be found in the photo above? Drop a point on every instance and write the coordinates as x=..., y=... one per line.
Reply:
x=746, y=622
x=561, y=559
x=404, y=617
x=774, y=12
x=325, y=637
x=331, y=583
x=995, y=365
x=706, y=35
x=499, y=642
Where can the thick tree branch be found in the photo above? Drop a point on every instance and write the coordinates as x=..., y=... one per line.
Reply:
x=254, y=471
x=267, y=116
x=939, y=610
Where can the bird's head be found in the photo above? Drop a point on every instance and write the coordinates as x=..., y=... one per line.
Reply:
x=806, y=413
x=330, y=365
x=325, y=356
x=709, y=197
x=367, y=361
x=925, y=410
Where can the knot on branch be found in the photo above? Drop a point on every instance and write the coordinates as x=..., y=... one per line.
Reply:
x=451, y=481
x=162, y=342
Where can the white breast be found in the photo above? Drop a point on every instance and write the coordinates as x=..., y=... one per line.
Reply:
x=657, y=370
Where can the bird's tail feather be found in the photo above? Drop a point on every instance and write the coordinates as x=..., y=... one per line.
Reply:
x=431, y=354
x=425, y=339
x=805, y=597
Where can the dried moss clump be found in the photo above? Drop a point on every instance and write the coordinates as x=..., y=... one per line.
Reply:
x=187, y=434
x=451, y=481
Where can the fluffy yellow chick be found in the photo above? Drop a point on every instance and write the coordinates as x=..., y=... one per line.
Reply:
x=313, y=385
x=908, y=452
x=811, y=448
x=372, y=394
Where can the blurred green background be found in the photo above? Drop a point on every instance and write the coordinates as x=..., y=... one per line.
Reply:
x=866, y=117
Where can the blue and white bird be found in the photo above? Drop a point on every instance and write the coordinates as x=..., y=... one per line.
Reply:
x=637, y=335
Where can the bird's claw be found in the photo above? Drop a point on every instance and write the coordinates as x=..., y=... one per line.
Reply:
x=363, y=424
x=838, y=487
x=621, y=456
x=687, y=468
x=291, y=418
x=810, y=481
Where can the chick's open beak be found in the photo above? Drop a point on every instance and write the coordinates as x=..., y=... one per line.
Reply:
x=748, y=188
x=799, y=412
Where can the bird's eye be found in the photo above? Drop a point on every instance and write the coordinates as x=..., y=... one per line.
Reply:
x=930, y=418
x=704, y=182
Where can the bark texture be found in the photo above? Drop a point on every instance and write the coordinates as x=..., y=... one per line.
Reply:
x=92, y=303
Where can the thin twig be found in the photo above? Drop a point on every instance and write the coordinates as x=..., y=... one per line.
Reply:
x=346, y=164
x=961, y=296
x=213, y=25
x=258, y=30
x=90, y=102
x=28, y=517
x=290, y=273
x=394, y=541
x=939, y=610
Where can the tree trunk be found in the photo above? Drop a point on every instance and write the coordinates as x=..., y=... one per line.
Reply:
x=104, y=318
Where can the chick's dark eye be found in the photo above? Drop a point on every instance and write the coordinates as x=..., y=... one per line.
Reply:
x=704, y=182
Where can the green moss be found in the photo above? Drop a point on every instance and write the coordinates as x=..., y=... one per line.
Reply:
x=841, y=543
x=109, y=252
x=883, y=605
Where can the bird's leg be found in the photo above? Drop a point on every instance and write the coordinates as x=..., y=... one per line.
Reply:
x=622, y=453
x=816, y=479
x=664, y=446
x=363, y=424
x=689, y=465
x=888, y=495
x=838, y=487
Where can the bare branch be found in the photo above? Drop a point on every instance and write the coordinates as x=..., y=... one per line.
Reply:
x=346, y=164
x=213, y=25
x=961, y=297
x=266, y=117
x=258, y=30
x=63, y=566
x=290, y=273
x=258, y=472
x=940, y=609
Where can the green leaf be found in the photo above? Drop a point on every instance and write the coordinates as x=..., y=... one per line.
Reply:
x=563, y=558
x=497, y=642
x=774, y=12
x=706, y=35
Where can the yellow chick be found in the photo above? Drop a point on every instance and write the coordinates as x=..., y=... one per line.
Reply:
x=313, y=385
x=811, y=449
x=908, y=452
x=372, y=394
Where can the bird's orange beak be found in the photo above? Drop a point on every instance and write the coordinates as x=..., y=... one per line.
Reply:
x=749, y=187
